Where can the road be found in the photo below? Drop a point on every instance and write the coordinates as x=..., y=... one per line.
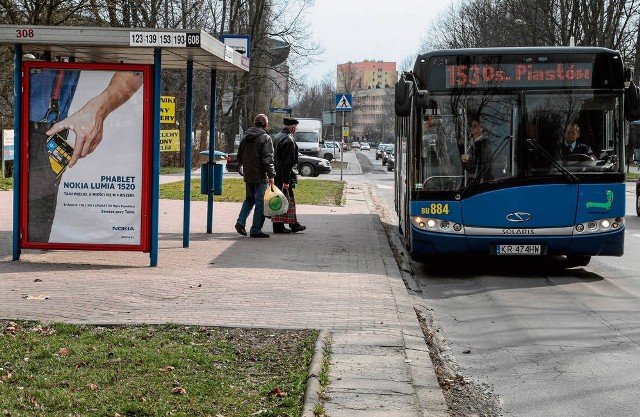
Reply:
x=546, y=342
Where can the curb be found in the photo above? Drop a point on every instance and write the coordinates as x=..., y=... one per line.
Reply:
x=311, y=394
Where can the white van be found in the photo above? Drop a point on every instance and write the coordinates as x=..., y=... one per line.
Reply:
x=308, y=136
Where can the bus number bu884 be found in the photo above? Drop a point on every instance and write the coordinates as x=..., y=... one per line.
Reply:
x=436, y=208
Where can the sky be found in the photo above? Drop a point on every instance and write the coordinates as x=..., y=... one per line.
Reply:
x=358, y=30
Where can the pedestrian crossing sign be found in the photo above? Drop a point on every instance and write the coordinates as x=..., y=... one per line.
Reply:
x=343, y=102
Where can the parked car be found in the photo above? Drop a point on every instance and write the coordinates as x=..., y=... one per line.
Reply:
x=355, y=145
x=364, y=146
x=329, y=150
x=308, y=166
x=389, y=150
x=391, y=162
x=380, y=150
x=232, y=164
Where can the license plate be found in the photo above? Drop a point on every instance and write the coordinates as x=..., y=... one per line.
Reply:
x=519, y=250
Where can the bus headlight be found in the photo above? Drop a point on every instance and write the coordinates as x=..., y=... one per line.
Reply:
x=598, y=226
x=437, y=225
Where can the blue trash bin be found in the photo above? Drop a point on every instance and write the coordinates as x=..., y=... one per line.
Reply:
x=211, y=179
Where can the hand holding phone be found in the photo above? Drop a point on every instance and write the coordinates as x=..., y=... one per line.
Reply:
x=59, y=151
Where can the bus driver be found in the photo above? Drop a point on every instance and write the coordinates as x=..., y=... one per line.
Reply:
x=571, y=146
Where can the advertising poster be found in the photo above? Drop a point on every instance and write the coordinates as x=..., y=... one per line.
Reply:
x=167, y=109
x=7, y=145
x=170, y=140
x=86, y=184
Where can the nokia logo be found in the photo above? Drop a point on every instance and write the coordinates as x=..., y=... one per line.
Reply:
x=519, y=217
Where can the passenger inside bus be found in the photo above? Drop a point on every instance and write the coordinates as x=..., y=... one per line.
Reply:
x=478, y=154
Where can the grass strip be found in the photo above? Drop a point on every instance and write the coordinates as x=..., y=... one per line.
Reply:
x=152, y=370
x=315, y=192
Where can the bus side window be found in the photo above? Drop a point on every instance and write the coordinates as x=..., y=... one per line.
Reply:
x=636, y=156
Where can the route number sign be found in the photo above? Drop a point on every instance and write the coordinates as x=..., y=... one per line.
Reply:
x=165, y=39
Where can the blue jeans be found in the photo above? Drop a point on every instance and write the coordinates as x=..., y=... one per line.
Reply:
x=254, y=197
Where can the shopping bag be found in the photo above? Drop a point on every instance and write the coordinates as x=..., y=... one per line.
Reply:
x=290, y=215
x=275, y=202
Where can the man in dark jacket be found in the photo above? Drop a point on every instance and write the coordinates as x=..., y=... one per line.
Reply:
x=286, y=159
x=256, y=156
x=477, y=159
x=572, y=146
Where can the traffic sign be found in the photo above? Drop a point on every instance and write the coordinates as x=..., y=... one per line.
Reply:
x=343, y=102
x=280, y=110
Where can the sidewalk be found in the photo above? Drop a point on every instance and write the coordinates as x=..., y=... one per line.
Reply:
x=339, y=276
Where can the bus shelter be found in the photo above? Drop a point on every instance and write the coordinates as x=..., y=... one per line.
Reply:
x=87, y=112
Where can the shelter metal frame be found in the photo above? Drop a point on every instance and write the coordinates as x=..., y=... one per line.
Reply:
x=162, y=48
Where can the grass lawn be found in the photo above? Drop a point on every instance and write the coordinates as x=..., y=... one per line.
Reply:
x=315, y=192
x=143, y=370
x=159, y=370
x=6, y=184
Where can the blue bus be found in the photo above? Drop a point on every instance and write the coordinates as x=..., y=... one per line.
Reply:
x=513, y=151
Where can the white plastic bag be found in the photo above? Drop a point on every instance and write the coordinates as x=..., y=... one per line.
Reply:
x=275, y=202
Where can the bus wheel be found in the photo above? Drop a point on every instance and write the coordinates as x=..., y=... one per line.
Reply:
x=573, y=261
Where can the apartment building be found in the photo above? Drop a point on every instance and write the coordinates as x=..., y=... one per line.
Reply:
x=371, y=84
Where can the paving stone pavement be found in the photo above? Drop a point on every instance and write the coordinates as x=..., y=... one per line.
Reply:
x=339, y=275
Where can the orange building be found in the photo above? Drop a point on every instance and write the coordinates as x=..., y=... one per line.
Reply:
x=366, y=75
x=371, y=83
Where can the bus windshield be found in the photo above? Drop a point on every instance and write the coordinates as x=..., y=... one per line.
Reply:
x=478, y=137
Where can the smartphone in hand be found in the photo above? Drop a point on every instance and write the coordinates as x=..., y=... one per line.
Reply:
x=59, y=151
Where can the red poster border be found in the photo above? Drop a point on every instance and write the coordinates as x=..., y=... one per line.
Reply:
x=147, y=157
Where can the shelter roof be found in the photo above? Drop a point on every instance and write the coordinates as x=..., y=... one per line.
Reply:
x=125, y=45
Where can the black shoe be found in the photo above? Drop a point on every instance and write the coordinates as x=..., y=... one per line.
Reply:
x=279, y=228
x=240, y=229
x=260, y=234
x=297, y=227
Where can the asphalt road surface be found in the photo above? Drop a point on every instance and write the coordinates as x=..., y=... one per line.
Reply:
x=544, y=340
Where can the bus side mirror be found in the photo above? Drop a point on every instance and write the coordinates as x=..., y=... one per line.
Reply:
x=404, y=91
x=636, y=156
x=422, y=98
x=632, y=103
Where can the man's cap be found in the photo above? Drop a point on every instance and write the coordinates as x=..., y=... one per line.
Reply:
x=261, y=120
x=290, y=121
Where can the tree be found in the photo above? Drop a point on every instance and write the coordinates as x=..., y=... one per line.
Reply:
x=276, y=27
x=267, y=22
x=315, y=99
x=491, y=23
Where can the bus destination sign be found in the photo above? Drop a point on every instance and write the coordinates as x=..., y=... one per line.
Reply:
x=519, y=75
